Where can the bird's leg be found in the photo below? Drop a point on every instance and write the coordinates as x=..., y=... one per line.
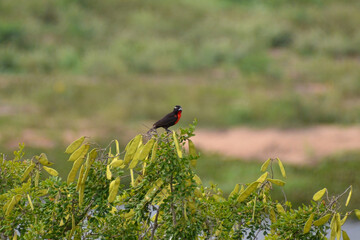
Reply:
x=168, y=131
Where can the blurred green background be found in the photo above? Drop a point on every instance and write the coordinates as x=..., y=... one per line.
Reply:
x=108, y=69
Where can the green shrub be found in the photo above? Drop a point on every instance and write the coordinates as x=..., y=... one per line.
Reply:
x=165, y=200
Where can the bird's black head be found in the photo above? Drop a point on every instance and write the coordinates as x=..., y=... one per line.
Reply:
x=177, y=108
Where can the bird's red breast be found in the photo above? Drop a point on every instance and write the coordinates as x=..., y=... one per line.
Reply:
x=178, y=117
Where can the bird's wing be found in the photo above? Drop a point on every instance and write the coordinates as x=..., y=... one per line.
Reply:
x=168, y=120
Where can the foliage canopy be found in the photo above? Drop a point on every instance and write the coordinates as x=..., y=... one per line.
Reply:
x=165, y=200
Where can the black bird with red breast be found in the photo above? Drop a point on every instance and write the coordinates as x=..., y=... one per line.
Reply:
x=169, y=119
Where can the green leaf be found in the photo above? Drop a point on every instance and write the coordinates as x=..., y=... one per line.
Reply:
x=263, y=177
x=280, y=208
x=276, y=181
x=136, y=158
x=79, y=153
x=75, y=145
x=197, y=179
x=319, y=194
x=218, y=198
x=192, y=149
x=30, y=202
x=44, y=160
x=176, y=142
x=51, y=171
x=27, y=171
x=321, y=221
x=246, y=193
x=338, y=226
x=308, y=223
x=117, y=163
x=235, y=191
x=113, y=189
x=146, y=149
x=131, y=148
x=349, y=197
x=117, y=147
x=357, y=213
x=153, y=152
x=282, y=169
x=265, y=165
x=74, y=169
x=15, y=199
x=345, y=236
x=108, y=173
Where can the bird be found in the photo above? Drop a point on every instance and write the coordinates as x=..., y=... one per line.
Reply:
x=168, y=120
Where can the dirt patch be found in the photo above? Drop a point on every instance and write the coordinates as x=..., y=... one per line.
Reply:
x=296, y=146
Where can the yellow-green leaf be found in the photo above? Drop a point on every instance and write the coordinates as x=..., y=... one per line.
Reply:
x=129, y=214
x=80, y=178
x=192, y=149
x=321, y=221
x=153, y=152
x=280, y=208
x=108, y=172
x=132, y=147
x=265, y=165
x=61, y=223
x=218, y=198
x=79, y=153
x=146, y=149
x=176, y=142
x=319, y=194
x=15, y=236
x=349, y=197
x=113, y=189
x=113, y=210
x=197, y=179
x=37, y=177
x=91, y=157
x=338, y=226
x=44, y=160
x=276, y=181
x=235, y=191
x=262, y=178
x=308, y=223
x=74, y=170
x=27, y=171
x=272, y=215
x=30, y=202
x=282, y=169
x=344, y=218
x=333, y=227
x=15, y=199
x=117, y=163
x=154, y=188
x=51, y=171
x=74, y=145
x=357, y=213
x=42, y=192
x=246, y=193
x=117, y=147
x=345, y=236
x=136, y=158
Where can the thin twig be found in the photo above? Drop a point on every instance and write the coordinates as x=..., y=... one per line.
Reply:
x=155, y=224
